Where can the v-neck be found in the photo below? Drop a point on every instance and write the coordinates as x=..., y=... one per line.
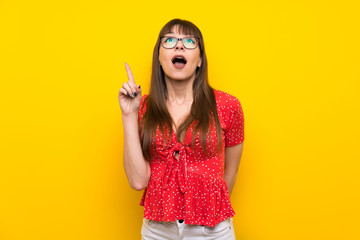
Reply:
x=186, y=134
x=174, y=132
x=175, y=138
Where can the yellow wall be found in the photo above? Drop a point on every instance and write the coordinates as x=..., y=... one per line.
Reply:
x=294, y=65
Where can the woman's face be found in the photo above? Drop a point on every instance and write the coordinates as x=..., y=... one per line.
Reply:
x=170, y=59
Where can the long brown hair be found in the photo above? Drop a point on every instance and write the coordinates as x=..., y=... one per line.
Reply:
x=203, y=110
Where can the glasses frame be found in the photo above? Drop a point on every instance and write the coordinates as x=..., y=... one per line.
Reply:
x=180, y=39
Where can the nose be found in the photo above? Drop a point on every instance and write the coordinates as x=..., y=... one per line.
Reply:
x=179, y=45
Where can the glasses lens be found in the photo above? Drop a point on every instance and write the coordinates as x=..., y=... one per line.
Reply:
x=169, y=42
x=190, y=42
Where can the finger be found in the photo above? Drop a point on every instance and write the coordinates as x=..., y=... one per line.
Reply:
x=133, y=87
x=131, y=81
x=127, y=88
x=123, y=91
x=129, y=73
x=138, y=89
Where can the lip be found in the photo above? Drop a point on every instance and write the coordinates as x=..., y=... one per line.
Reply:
x=172, y=60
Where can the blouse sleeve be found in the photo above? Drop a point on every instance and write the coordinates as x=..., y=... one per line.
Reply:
x=234, y=132
x=141, y=112
x=142, y=108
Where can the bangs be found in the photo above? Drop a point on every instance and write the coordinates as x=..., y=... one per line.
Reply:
x=182, y=26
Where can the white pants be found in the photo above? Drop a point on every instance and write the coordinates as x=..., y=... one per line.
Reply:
x=155, y=230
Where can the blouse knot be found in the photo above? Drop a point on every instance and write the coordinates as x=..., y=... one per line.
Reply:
x=177, y=147
x=176, y=167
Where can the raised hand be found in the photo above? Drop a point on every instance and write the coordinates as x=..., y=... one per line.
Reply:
x=129, y=95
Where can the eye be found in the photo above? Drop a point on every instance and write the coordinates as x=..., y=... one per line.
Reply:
x=189, y=40
x=169, y=40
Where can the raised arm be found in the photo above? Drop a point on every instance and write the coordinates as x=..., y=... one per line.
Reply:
x=137, y=169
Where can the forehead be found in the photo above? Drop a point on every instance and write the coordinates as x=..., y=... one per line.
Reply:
x=179, y=30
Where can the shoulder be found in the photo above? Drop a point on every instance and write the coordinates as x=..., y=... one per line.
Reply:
x=144, y=99
x=230, y=111
x=226, y=100
x=143, y=104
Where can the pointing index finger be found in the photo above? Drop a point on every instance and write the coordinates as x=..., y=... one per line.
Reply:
x=129, y=73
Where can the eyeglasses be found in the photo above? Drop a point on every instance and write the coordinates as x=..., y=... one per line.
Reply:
x=188, y=42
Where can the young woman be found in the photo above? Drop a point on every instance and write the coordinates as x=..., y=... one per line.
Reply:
x=182, y=142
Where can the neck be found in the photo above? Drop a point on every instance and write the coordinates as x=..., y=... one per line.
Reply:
x=180, y=91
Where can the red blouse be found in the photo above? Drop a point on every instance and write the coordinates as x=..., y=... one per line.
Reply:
x=193, y=188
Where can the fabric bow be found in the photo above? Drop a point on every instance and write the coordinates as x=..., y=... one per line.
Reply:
x=181, y=169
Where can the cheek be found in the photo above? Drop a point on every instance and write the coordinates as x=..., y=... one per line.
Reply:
x=160, y=57
x=196, y=59
x=163, y=57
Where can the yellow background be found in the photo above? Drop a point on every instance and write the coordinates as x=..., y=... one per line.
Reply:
x=294, y=65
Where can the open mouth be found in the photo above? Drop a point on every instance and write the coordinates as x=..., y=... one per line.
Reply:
x=179, y=61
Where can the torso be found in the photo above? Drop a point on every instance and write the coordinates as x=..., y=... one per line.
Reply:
x=193, y=187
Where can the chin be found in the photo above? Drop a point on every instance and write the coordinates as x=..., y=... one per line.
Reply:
x=179, y=77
